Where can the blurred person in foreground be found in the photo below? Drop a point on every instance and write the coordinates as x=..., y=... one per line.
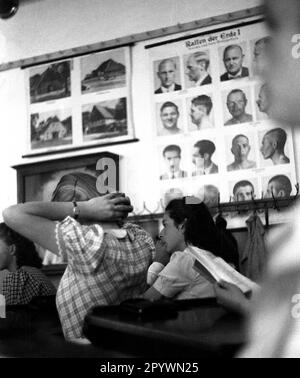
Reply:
x=274, y=329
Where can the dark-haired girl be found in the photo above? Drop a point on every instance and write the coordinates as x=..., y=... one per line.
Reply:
x=21, y=279
x=186, y=223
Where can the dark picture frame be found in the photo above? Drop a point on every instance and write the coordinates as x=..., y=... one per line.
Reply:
x=33, y=178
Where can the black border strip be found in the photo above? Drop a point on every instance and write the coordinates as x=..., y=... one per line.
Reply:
x=72, y=149
x=205, y=33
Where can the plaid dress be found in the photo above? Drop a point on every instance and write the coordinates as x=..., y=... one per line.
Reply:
x=104, y=268
x=21, y=286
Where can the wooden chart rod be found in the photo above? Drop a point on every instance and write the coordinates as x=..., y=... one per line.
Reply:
x=131, y=39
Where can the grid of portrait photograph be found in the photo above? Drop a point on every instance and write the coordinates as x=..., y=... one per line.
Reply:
x=84, y=100
x=212, y=118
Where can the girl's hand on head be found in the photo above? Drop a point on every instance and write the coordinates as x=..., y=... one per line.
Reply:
x=110, y=207
x=231, y=297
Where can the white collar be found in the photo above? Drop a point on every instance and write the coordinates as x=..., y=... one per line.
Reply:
x=204, y=171
x=119, y=234
x=239, y=74
x=199, y=82
x=170, y=89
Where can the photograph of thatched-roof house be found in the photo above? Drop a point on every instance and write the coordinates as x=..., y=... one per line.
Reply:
x=103, y=71
x=104, y=120
x=51, y=129
x=50, y=82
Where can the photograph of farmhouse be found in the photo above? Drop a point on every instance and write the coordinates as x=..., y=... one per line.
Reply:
x=103, y=71
x=50, y=82
x=51, y=129
x=105, y=119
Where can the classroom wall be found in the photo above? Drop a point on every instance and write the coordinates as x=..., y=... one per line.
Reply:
x=45, y=26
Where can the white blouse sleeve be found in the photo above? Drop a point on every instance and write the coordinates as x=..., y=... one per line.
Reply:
x=176, y=276
x=153, y=271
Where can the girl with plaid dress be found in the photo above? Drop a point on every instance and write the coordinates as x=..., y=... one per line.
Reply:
x=107, y=261
x=21, y=279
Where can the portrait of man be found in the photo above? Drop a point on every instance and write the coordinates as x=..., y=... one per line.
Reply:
x=263, y=101
x=236, y=105
x=171, y=194
x=197, y=66
x=233, y=58
x=243, y=191
x=272, y=146
x=279, y=186
x=240, y=149
x=167, y=75
x=208, y=194
x=260, y=55
x=211, y=194
x=202, y=154
x=201, y=107
x=172, y=157
x=169, y=116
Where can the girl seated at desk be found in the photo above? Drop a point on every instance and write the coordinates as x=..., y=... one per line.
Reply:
x=20, y=277
x=107, y=259
x=172, y=275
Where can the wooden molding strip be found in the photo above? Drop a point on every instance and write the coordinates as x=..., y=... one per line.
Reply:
x=131, y=39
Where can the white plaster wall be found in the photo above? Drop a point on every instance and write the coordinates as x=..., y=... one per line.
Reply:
x=44, y=26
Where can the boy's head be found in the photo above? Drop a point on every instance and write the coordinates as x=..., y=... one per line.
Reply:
x=236, y=103
x=169, y=115
x=172, y=155
x=203, y=150
x=279, y=186
x=243, y=191
x=273, y=141
x=240, y=147
x=201, y=106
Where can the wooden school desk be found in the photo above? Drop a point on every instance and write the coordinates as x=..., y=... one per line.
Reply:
x=200, y=328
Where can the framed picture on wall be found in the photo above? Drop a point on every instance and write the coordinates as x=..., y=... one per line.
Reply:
x=37, y=181
x=212, y=118
x=80, y=102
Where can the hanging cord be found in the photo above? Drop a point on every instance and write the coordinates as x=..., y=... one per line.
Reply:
x=266, y=210
x=254, y=204
x=219, y=209
x=275, y=202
